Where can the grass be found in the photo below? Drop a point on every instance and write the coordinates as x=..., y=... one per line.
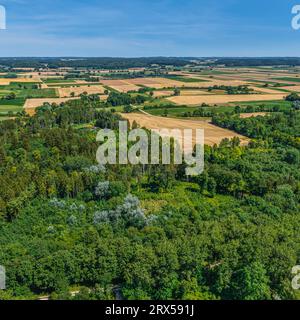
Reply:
x=172, y=112
x=4, y=92
x=59, y=80
x=273, y=84
x=10, y=108
x=19, y=85
x=4, y=118
x=159, y=102
x=36, y=93
x=83, y=126
x=184, y=79
x=22, y=95
x=280, y=103
x=25, y=90
x=15, y=102
x=28, y=93
x=288, y=79
x=180, y=110
x=213, y=72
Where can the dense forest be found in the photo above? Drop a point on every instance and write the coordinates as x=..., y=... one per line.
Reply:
x=147, y=232
x=123, y=63
x=102, y=63
x=256, y=62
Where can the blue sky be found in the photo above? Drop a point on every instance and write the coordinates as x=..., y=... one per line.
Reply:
x=131, y=28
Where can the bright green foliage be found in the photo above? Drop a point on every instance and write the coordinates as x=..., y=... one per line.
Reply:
x=146, y=232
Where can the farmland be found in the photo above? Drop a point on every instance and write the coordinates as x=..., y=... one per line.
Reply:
x=69, y=224
x=76, y=91
x=213, y=134
x=221, y=99
x=216, y=87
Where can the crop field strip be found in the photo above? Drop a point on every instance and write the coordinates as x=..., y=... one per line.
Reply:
x=66, y=92
x=219, y=99
x=212, y=134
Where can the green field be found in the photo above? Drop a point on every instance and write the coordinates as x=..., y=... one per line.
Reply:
x=212, y=72
x=52, y=80
x=14, y=102
x=10, y=108
x=288, y=79
x=184, y=79
x=4, y=118
x=178, y=111
x=36, y=93
x=4, y=93
x=19, y=86
x=281, y=103
x=272, y=84
x=172, y=112
x=24, y=90
x=22, y=94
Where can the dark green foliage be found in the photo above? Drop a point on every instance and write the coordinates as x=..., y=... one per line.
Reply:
x=145, y=232
x=292, y=97
x=119, y=99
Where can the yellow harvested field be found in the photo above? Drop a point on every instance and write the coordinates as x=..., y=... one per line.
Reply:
x=212, y=134
x=194, y=92
x=31, y=104
x=214, y=82
x=62, y=84
x=23, y=69
x=160, y=86
x=125, y=88
x=81, y=81
x=161, y=83
x=6, y=82
x=168, y=82
x=254, y=114
x=157, y=83
x=292, y=88
x=147, y=82
x=265, y=90
x=121, y=85
x=66, y=92
x=183, y=92
x=113, y=82
x=217, y=99
x=162, y=93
